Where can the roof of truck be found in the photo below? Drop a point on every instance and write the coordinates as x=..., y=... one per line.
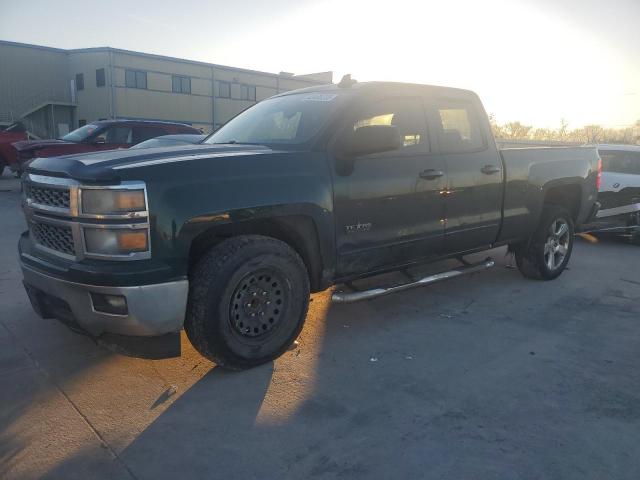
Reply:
x=377, y=85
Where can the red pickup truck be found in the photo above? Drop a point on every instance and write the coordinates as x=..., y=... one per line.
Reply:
x=93, y=137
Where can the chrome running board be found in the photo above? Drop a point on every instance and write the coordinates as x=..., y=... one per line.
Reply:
x=356, y=296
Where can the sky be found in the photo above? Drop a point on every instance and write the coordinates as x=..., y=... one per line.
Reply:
x=536, y=61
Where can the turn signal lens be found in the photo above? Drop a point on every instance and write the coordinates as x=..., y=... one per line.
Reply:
x=599, y=176
x=112, y=241
x=135, y=241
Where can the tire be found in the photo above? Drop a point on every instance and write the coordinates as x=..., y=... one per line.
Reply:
x=248, y=299
x=547, y=253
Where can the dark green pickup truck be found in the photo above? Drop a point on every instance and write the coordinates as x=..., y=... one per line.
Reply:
x=305, y=190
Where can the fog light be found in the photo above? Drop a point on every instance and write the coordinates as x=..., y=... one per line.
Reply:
x=112, y=304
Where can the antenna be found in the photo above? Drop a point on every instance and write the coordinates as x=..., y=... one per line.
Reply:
x=346, y=81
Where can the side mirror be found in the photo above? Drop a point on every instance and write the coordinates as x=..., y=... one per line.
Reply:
x=371, y=139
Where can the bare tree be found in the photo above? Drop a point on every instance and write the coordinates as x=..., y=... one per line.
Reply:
x=516, y=130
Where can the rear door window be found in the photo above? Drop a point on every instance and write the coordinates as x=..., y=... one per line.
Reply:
x=458, y=127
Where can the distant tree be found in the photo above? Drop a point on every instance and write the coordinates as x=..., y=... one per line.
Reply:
x=593, y=134
x=563, y=130
x=495, y=128
x=516, y=130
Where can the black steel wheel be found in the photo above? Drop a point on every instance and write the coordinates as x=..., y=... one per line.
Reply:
x=258, y=303
x=248, y=299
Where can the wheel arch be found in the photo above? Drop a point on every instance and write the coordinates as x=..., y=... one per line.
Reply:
x=298, y=231
x=567, y=195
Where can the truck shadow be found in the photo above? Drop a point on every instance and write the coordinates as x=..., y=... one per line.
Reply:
x=327, y=408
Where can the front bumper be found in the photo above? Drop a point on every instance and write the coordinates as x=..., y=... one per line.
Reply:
x=152, y=310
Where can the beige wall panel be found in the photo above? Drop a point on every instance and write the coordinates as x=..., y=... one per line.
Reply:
x=262, y=93
x=200, y=87
x=158, y=81
x=136, y=103
x=93, y=101
x=142, y=62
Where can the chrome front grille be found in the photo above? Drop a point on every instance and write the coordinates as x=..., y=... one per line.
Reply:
x=57, y=222
x=49, y=197
x=54, y=237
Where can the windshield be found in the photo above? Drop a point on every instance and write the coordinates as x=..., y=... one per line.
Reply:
x=289, y=120
x=81, y=133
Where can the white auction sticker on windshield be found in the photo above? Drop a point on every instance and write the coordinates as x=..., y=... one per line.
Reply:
x=319, y=97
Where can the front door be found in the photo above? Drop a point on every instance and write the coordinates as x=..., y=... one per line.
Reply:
x=474, y=172
x=389, y=208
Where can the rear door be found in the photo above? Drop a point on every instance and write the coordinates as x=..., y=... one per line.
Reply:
x=473, y=195
x=388, y=209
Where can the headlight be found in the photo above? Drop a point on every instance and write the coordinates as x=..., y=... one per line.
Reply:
x=115, y=241
x=112, y=201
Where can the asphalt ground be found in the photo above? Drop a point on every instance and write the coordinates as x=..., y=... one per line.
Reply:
x=489, y=376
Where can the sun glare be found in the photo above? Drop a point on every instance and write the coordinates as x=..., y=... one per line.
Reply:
x=526, y=64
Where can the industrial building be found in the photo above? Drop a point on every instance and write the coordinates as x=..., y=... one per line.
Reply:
x=53, y=91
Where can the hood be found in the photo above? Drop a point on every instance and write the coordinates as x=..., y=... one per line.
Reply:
x=36, y=144
x=100, y=167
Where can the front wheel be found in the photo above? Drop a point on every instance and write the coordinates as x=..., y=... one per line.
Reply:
x=248, y=299
x=547, y=253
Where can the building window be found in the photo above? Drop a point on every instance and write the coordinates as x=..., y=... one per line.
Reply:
x=135, y=79
x=82, y=122
x=79, y=81
x=224, y=89
x=100, y=80
x=181, y=84
x=248, y=92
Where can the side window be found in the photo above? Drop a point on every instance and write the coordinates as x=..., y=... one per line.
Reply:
x=224, y=90
x=620, y=162
x=135, y=79
x=79, y=81
x=406, y=114
x=100, y=79
x=115, y=134
x=180, y=84
x=140, y=134
x=458, y=128
x=247, y=92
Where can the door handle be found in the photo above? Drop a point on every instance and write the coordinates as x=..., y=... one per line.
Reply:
x=431, y=174
x=490, y=169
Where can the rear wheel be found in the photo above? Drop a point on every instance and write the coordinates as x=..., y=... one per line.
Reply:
x=248, y=299
x=547, y=253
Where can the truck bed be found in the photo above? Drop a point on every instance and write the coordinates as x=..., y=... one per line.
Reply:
x=528, y=171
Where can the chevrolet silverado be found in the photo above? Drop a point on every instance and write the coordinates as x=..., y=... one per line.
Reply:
x=305, y=190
